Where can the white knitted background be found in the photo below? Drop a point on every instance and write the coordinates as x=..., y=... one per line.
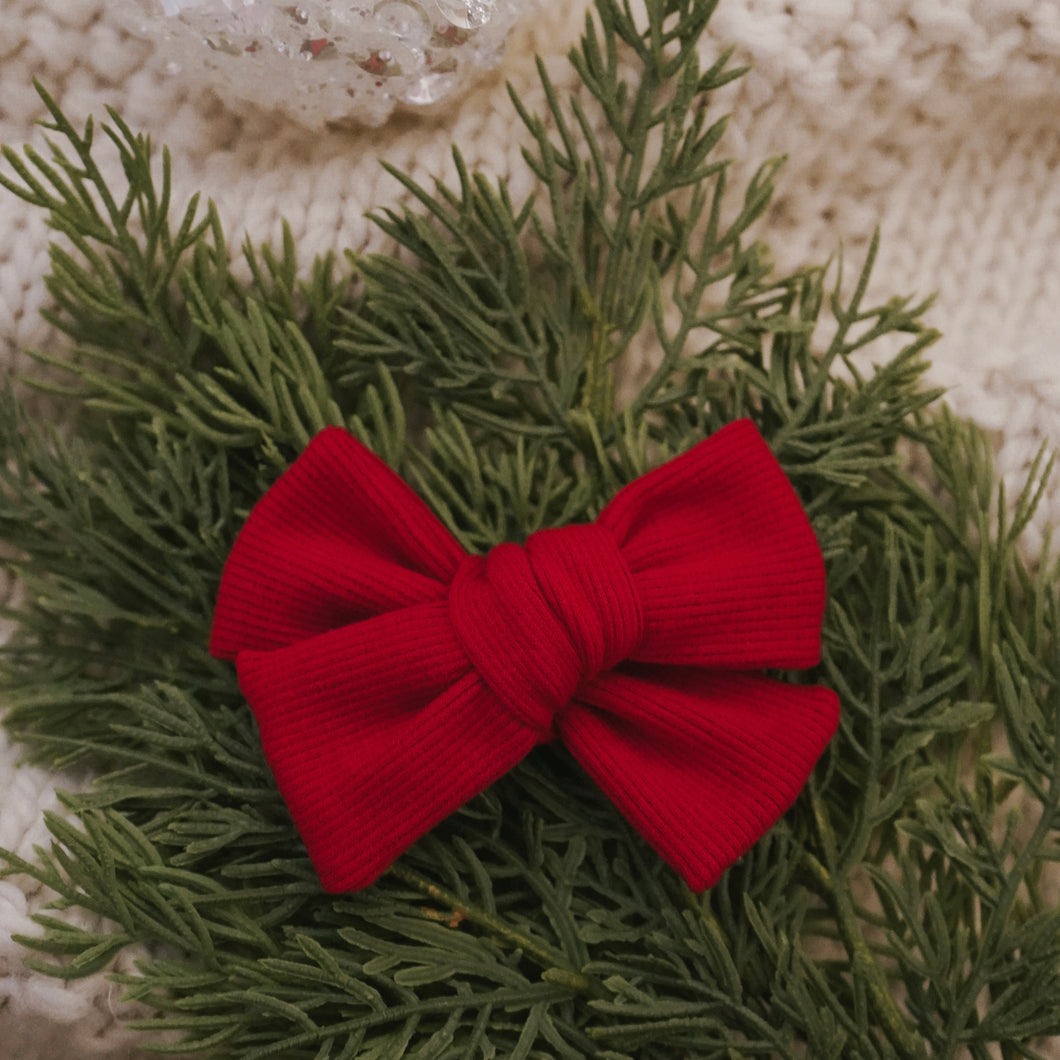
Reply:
x=939, y=120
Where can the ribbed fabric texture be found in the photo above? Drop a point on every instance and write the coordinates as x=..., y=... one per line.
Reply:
x=394, y=676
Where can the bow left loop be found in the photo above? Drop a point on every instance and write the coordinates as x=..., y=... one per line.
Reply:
x=338, y=538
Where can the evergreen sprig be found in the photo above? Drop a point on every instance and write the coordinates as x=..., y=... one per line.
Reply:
x=900, y=909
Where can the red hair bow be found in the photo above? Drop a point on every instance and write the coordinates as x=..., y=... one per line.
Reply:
x=394, y=676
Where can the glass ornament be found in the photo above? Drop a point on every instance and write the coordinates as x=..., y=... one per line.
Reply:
x=329, y=61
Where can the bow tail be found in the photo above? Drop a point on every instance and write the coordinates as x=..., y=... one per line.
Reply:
x=702, y=764
x=375, y=733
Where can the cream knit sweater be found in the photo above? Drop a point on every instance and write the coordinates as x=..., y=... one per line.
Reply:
x=938, y=120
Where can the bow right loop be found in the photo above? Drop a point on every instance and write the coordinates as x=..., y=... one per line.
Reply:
x=725, y=561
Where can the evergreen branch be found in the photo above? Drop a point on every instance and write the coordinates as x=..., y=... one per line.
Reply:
x=482, y=366
x=552, y=963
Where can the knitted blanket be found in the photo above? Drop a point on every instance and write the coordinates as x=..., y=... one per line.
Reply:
x=935, y=119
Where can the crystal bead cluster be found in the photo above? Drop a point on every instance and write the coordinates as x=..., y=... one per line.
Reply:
x=327, y=61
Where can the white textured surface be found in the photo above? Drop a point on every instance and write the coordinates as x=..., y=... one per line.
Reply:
x=937, y=119
x=43, y=1018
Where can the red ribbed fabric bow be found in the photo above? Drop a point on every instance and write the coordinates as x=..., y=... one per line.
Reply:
x=394, y=676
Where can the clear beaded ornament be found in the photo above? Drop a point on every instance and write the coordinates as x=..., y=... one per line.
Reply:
x=330, y=61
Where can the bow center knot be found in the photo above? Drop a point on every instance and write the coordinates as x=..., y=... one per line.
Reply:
x=539, y=620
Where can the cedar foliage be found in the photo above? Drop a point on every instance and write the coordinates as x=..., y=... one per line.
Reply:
x=900, y=909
